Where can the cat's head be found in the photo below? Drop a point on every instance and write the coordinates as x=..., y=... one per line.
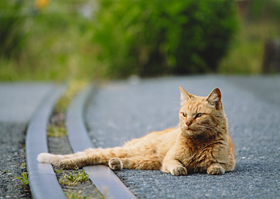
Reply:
x=201, y=114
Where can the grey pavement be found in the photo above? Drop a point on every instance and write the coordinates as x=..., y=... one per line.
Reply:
x=18, y=102
x=123, y=110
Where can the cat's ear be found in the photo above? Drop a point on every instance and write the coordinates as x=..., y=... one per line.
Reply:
x=185, y=96
x=214, y=98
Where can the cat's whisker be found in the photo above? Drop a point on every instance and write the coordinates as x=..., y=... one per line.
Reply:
x=208, y=126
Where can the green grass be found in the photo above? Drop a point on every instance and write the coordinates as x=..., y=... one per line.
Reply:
x=78, y=195
x=57, y=127
x=73, y=88
x=23, y=178
x=23, y=165
x=246, y=54
x=56, y=131
x=58, y=170
x=59, y=46
x=73, y=178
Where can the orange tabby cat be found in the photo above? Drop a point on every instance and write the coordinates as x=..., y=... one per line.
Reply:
x=201, y=143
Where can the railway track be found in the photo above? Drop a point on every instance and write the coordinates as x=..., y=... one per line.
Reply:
x=42, y=179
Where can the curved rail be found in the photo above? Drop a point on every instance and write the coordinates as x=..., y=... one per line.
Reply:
x=101, y=176
x=42, y=179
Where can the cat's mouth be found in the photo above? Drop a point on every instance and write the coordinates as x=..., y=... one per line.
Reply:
x=187, y=129
x=190, y=130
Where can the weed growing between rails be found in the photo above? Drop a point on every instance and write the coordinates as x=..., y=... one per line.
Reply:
x=56, y=127
x=77, y=195
x=73, y=178
x=75, y=183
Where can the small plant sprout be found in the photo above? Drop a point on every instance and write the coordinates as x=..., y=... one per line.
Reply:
x=73, y=178
x=23, y=178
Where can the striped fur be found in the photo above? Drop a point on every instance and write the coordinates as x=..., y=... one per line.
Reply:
x=201, y=143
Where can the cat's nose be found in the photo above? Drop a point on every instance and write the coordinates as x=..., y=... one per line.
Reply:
x=188, y=123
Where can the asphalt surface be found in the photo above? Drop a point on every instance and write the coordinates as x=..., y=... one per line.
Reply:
x=123, y=110
x=18, y=102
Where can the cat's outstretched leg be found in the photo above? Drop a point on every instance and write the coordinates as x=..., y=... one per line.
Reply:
x=138, y=162
x=50, y=158
x=84, y=158
x=70, y=161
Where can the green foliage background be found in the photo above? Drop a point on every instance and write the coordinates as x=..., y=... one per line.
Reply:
x=82, y=39
x=260, y=24
x=161, y=37
x=12, y=36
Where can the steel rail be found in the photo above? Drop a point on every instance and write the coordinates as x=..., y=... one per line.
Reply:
x=42, y=179
x=103, y=177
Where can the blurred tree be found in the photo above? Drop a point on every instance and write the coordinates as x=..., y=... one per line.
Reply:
x=12, y=34
x=39, y=4
x=264, y=10
x=157, y=37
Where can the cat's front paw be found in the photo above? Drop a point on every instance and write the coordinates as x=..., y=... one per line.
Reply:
x=179, y=171
x=215, y=169
x=115, y=164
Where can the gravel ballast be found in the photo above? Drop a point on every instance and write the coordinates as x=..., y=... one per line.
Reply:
x=12, y=161
x=18, y=102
